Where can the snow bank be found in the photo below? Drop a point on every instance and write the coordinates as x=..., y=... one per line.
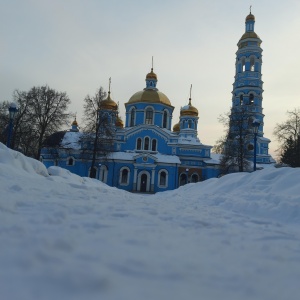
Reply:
x=71, y=238
x=19, y=162
x=271, y=194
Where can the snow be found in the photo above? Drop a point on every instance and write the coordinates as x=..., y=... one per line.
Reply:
x=71, y=140
x=67, y=237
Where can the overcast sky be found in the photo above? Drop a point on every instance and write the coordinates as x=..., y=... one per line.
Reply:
x=76, y=45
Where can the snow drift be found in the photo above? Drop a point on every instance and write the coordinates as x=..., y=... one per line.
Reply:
x=67, y=237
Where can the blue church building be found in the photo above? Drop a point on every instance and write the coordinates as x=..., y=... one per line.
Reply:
x=148, y=154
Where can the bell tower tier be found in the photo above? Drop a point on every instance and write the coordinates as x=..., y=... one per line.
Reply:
x=247, y=94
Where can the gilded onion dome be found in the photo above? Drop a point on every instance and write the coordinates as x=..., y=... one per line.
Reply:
x=108, y=103
x=150, y=96
x=151, y=75
x=74, y=123
x=176, y=127
x=119, y=122
x=189, y=110
x=250, y=17
x=249, y=35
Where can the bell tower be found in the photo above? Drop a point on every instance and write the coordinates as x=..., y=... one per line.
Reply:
x=247, y=94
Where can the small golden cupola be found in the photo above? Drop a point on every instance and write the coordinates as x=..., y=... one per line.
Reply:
x=151, y=75
x=108, y=103
x=74, y=123
x=74, y=126
x=250, y=17
x=176, y=127
x=119, y=122
x=189, y=110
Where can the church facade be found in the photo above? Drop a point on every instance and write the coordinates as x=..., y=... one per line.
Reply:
x=148, y=153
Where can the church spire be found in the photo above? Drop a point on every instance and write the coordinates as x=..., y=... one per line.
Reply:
x=190, y=99
x=109, y=84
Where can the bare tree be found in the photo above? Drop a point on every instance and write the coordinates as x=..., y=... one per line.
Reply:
x=237, y=145
x=98, y=128
x=41, y=112
x=288, y=135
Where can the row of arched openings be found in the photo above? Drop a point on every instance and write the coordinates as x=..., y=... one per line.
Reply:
x=184, y=179
x=252, y=64
x=125, y=175
x=149, y=117
x=251, y=99
x=146, y=144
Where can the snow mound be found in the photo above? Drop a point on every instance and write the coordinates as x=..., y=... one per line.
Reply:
x=272, y=194
x=72, y=238
x=20, y=163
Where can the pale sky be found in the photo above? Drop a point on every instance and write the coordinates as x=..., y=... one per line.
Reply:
x=74, y=46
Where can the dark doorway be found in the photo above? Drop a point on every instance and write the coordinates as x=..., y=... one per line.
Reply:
x=182, y=179
x=93, y=172
x=144, y=183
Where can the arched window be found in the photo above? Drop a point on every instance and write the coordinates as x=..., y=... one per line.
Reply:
x=103, y=173
x=243, y=65
x=146, y=144
x=132, y=117
x=241, y=100
x=165, y=119
x=252, y=64
x=139, y=144
x=124, y=176
x=154, y=144
x=70, y=161
x=195, y=178
x=163, y=178
x=251, y=99
x=190, y=124
x=149, y=116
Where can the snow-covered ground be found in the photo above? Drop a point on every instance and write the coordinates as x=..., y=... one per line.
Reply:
x=67, y=237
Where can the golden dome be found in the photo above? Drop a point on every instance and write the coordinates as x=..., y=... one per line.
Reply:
x=119, y=122
x=189, y=110
x=249, y=35
x=149, y=96
x=176, y=127
x=108, y=103
x=250, y=17
x=151, y=75
x=74, y=123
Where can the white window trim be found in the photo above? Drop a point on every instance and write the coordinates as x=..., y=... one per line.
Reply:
x=120, y=176
x=167, y=179
x=142, y=144
x=150, y=143
x=134, y=119
x=103, y=172
x=153, y=114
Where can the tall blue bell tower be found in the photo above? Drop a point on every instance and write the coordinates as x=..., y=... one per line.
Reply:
x=247, y=94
